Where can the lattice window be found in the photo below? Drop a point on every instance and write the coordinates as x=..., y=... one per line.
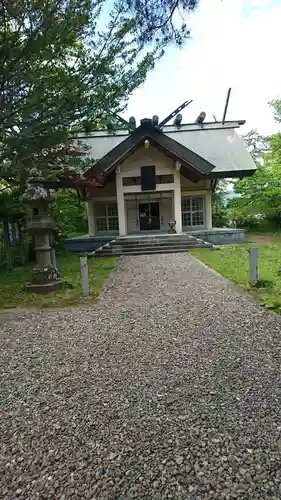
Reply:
x=112, y=210
x=113, y=224
x=192, y=211
x=106, y=216
x=186, y=219
x=101, y=224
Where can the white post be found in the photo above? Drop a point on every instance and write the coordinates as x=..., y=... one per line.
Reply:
x=91, y=218
x=121, y=205
x=177, y=200
x=208, y=211
x=253, y=260
x=85, y=276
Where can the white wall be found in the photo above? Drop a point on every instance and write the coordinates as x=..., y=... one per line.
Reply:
x=187, y=185
x=108, y=190
x=132, y=168
x=145, y=157
x=128, y=220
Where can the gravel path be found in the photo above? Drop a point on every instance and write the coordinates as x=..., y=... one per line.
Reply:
x=169, y=387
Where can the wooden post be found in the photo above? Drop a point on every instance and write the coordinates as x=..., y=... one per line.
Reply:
x=84, y=274
x=253, y=261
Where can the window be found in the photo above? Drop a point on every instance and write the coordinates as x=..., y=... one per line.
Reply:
x=192, y=211
x=136, y=181
x=112, y=210
x=106, y=215
x=164, y=179
x=131, y=181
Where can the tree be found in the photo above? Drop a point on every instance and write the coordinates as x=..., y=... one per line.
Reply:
x=161, y=21
x=259, y=197
x=219, y=212
x=69, y=213
x=9, y=200
x=65, y=63
x=261, y=193
x=256, y=144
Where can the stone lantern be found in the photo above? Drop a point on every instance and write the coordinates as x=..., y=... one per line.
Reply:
x=38, y=198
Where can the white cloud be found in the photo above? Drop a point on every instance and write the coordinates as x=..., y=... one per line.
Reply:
x=258, y=3
x=234, y=44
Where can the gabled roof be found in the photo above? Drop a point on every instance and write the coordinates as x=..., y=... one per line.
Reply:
x=193, y=166
x=217, y=143
x=222, y=147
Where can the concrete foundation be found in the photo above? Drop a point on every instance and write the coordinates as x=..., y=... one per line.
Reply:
x=216, y=236
x=221, y=236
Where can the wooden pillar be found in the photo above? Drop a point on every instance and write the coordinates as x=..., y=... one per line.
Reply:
x=121, y=205
x=208, y=210
x=177, y=201
x=91, y=218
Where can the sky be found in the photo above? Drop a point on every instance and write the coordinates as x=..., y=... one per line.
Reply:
x=234, y=43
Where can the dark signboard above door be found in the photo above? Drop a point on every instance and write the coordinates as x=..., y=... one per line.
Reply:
x=148, y=178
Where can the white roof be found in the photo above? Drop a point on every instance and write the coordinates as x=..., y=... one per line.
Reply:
x=217, y=143
x=221, y=147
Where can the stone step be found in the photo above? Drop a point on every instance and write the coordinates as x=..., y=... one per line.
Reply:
x=129, y=244
x=147, y=250
x=139, y=252
x=151, y=245
x=124, y=248
x=158, y=238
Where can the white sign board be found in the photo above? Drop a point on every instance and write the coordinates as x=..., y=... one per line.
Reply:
x=85, y=276
x=253, y=260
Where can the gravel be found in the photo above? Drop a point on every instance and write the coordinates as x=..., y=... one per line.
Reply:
x=167, y=388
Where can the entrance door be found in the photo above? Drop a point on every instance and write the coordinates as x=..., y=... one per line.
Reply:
x=149, y=216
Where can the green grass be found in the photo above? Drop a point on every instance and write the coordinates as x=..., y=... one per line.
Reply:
x=12, y=282
x=75, y=234
x=263, y=237
x=232, y=262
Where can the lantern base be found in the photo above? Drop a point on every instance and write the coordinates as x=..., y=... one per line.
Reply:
x=44, y=288
x=44, y=280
